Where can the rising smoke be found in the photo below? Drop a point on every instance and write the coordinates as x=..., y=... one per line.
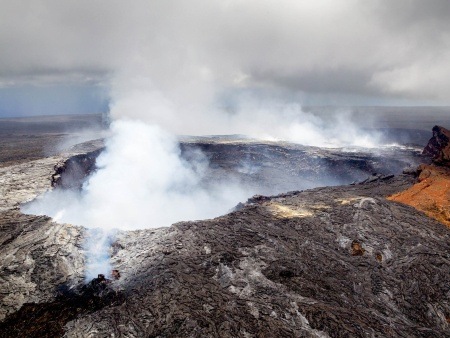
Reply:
x=261, y=115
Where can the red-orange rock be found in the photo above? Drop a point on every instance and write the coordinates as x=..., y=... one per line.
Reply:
x=431, y=194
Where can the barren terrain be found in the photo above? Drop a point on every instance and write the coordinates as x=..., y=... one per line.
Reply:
x=339, y=261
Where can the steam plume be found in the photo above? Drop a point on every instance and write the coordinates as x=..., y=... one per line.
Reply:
x=141, y=182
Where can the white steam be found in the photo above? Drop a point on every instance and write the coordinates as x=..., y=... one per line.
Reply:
x=97, y=246
x=141, y=182
x=207, y=113
x=288, y=122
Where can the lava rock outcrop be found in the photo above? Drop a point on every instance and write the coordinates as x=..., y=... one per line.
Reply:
x=439, y=146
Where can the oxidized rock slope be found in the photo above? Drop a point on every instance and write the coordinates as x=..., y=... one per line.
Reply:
x=431, y=194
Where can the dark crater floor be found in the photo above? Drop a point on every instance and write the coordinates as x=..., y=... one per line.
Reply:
x=269, y=168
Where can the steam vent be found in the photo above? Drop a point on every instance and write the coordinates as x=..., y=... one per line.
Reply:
x=337, y=261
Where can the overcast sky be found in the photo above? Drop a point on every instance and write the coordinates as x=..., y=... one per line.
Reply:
x=69, y=56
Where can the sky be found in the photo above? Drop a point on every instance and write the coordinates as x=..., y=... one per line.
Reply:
x=78, y=56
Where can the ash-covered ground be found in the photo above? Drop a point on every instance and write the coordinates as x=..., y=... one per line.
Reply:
x=336, y=261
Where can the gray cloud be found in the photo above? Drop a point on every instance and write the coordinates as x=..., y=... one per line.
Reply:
x=396, y=49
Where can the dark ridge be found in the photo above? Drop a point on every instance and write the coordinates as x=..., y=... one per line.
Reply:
x=47, y=320
x=438, y=146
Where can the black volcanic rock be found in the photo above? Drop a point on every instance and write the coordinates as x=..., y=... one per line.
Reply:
x=438, y=146
x=336, y=261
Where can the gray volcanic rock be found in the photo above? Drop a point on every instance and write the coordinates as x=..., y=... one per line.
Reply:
x=22, y=182
x=37, y=256
x=327, y=262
